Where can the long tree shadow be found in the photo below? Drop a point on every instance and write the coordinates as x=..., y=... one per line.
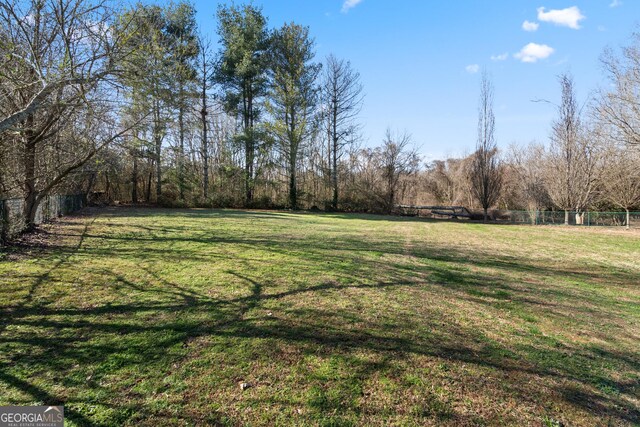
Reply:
x=103, y=340
x=227, y=319
x=41, y=395
x=44, y=277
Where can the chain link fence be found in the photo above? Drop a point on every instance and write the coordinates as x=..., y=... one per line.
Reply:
x=12, y=221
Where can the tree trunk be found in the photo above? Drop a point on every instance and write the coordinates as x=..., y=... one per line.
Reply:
x=30, y=145
x=566, y=217
x=158, y=169
x=628, y=219
x=248, y=173
x=335, y=157
x=4, y=222
x=30, y=209
x=30, y=193
x=205, y=173
x=249, y=147
x=205, y=143
x=158, y=145
x=107, y=186
x=181, y=148
x=293, y=195
x=329, y=183
x=334, y=177
x=134, y=180
x=485, y=214
x=293, y=191
x=149, y=179
x=90, y=184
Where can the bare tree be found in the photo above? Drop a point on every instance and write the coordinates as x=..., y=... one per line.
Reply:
x=54, y=105
x=528, y=166
x=33, y=34
x=440, y=182
x=486, y=173
x=342, y=99
x=621, y=179
x=447, y=180
x=572, y=160
x=620, y=104
x=396, y=159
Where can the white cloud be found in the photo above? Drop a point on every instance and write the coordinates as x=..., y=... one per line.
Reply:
x=472, y=69
x=500, y=57
x=533, y=52
x=350, y=4
x=569, y=17
x=530, y=26
x=615, y=3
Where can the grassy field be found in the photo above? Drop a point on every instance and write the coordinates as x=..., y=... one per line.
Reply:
x=154, y=317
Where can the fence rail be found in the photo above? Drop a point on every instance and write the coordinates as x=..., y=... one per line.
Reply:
x=588, y=218
x=12, y=221
x=534, y=217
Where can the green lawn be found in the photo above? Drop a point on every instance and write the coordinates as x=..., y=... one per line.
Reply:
x=153, y=317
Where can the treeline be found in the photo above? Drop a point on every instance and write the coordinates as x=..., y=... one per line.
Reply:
x=260, y=122
x=591, y=161
x=136, y=105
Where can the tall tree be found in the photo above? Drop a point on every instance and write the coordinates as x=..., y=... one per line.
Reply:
x=205, y=76
x=486, y=173
x=241, y=71
x=570, y=174
x=147, y=76
x=342, y=98
x=294, y=96
x=183, y=50
x=135, y=145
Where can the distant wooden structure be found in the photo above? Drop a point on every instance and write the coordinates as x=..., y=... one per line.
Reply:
x=450, y=212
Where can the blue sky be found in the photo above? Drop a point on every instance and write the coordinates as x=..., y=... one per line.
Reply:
x=421, y=61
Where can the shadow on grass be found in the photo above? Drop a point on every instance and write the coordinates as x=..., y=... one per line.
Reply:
x=86, y=347
x=96, y=337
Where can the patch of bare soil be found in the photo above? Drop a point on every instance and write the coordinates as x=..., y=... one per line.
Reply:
x=44, y=238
